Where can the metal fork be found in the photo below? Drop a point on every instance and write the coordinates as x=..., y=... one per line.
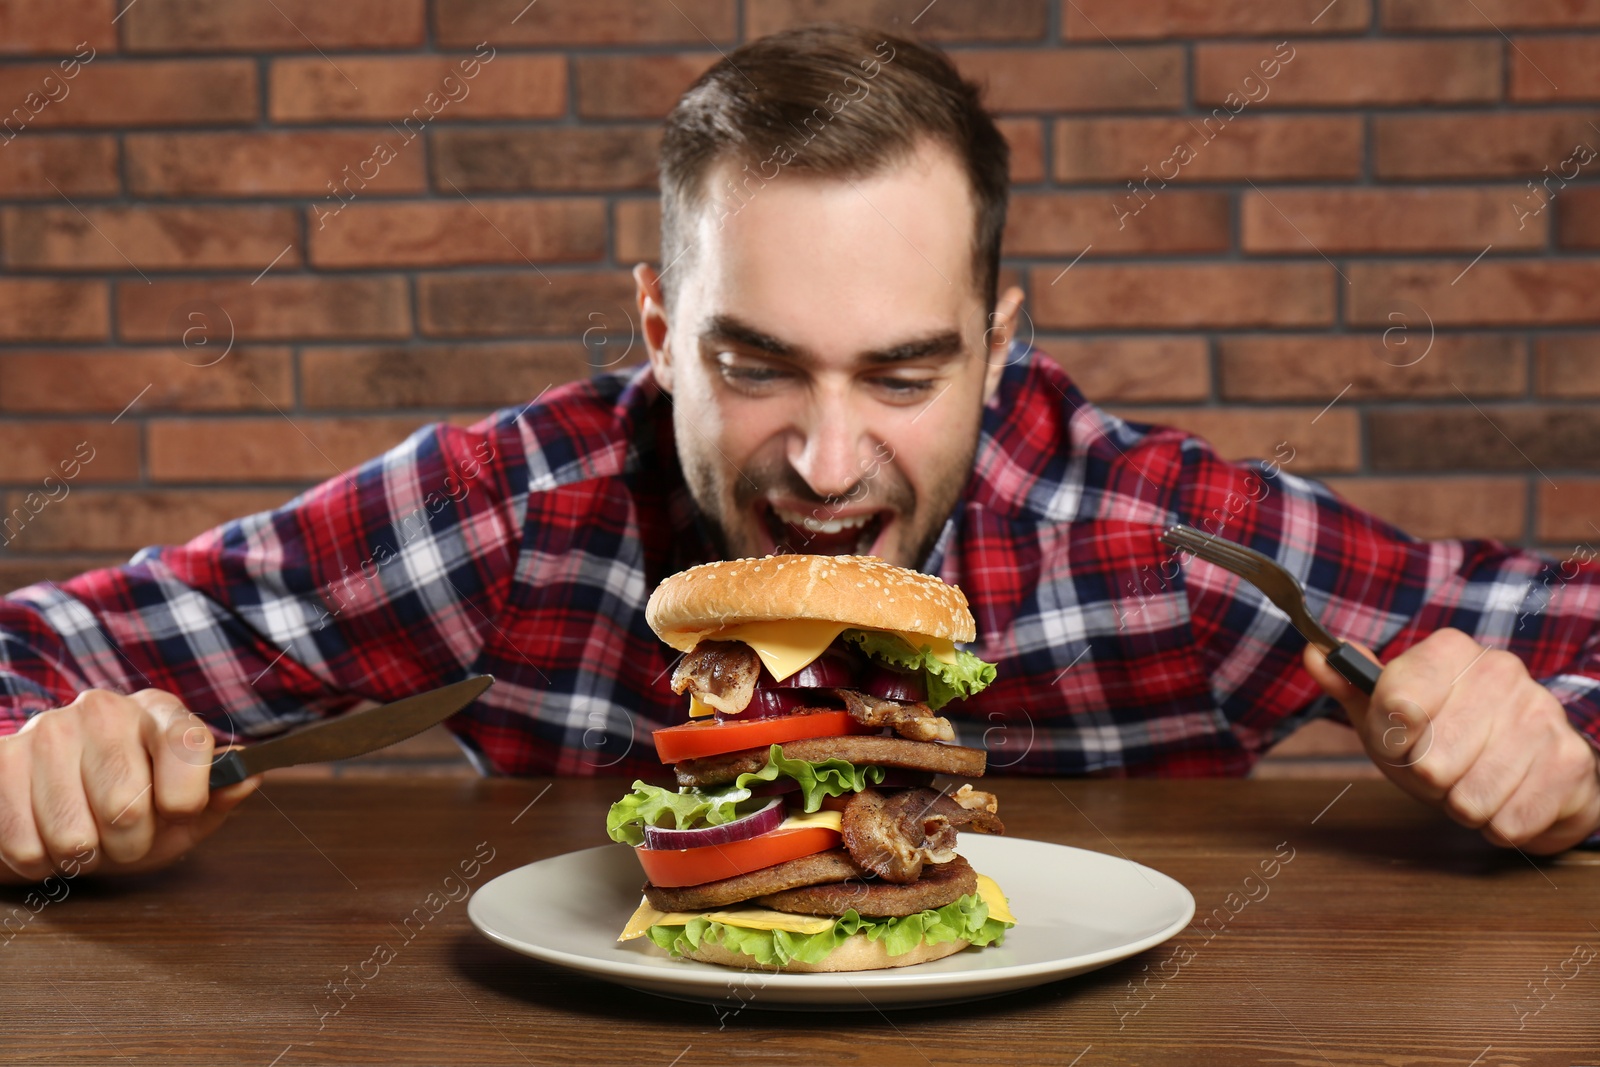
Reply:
x=1280, y=587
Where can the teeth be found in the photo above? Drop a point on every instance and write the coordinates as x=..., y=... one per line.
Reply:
x=816, y=525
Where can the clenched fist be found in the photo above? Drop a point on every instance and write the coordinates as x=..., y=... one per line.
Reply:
x=1467, y=729
x=123, y=780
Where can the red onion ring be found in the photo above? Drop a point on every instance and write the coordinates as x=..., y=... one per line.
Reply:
x=765, y=818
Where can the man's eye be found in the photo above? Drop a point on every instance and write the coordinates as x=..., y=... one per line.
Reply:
x=751, y=375
x=906, y=387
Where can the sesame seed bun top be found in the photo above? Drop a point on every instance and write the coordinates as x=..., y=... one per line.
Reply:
x=861, y=591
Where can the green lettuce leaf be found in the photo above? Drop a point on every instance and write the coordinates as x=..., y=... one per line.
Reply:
x=964, y=919
x=829, y=778
x=652, y=804
x=945, y=681
x=689, y=808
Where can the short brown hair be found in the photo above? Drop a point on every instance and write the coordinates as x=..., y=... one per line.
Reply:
x=770, y=103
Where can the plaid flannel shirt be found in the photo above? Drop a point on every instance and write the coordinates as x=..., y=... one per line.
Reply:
x=525, y=546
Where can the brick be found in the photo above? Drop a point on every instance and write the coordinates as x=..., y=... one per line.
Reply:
x=1350, y=73
x=1568, y=365
x=1063, y=224
x=1332, y=443
x=1331, y=221
x=548, y=23
x=456, y=232
x=1015, y=20
x=637, y=230
x=1134, y=370
x=1490, y=437
x=585, y=160
x=1225, y=296
x=273, y=308
x=122, y=521
x=1026, y=138
x=1577, y=211
x=508, y=86
x=281, y=26
x=1555, y=68
x=34, y=449
x=1477, y=144
x=476, y=375
x=1096, y=19
x=28, y=27
x=490, y=305
x=268, y=448
x=1484, y=16
x=35, y=309
x=1404, y=364
x=635, y=86
x=65, y=381
x=274, y=164
x=78, y=165
x=152, y=238
x=201, y=92
x=1569, y=513
x=1244, y=147
x=1504, y=292
x=19, y=571
x=1148, y=78
x=1436, y=508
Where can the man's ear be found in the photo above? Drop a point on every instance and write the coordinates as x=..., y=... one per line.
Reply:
x=997, y=338
x=653, y=322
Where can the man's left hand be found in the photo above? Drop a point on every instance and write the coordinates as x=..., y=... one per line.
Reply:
x=1467, y=729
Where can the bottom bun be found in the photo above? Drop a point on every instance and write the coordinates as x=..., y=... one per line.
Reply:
x=855, y=953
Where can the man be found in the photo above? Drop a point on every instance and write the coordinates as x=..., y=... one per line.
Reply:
x=830, y=369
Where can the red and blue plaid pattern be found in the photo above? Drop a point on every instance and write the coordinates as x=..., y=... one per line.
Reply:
x=526, y=545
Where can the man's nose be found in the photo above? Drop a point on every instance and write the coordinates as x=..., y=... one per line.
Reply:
x=826, y=449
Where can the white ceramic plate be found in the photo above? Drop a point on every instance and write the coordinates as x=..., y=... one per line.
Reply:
x=1076, y=911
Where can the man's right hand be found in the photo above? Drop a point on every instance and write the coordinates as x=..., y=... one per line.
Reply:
x=109, y=783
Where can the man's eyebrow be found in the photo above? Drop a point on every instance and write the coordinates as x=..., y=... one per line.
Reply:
x=728, y=328
x=936, y=346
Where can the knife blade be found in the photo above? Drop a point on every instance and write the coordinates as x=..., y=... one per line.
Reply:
x=349, y=735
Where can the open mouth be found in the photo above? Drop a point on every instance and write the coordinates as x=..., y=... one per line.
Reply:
x=814, y=532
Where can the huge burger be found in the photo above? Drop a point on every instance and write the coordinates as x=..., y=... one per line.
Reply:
x=807, y=832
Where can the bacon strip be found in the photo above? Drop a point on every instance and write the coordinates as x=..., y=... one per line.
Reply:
x=894, y=836
x=722, y=674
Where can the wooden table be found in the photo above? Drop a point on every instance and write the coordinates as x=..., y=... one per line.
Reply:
x=1391, y=936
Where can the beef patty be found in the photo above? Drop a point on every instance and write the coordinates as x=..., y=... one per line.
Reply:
x=940, y=884
x=859, y=750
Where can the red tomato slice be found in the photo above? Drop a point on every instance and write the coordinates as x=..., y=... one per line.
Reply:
x=694, y=739
x=709, y=863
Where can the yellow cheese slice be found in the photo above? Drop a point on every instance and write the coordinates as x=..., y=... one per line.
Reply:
x=698, y=710
x=750, y=918
x=989, y=891
x=828, y=820
x=941, y=647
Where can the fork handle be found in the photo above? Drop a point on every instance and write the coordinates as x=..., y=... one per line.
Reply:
x=1356, y=668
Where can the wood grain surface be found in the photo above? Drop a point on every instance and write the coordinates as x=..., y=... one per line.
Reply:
x=1391, y=937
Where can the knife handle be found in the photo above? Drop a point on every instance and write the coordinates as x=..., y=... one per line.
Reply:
x=228, y=769
x=1356, y=669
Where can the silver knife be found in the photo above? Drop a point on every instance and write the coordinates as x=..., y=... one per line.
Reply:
x=349, y=735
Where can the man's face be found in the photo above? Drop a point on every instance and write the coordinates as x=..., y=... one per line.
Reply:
x=827, y=357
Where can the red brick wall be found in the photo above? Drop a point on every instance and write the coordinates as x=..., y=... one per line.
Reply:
x=178, y=183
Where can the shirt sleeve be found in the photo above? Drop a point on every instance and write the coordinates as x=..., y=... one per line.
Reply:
x=1368, y=581
x=379, y=583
